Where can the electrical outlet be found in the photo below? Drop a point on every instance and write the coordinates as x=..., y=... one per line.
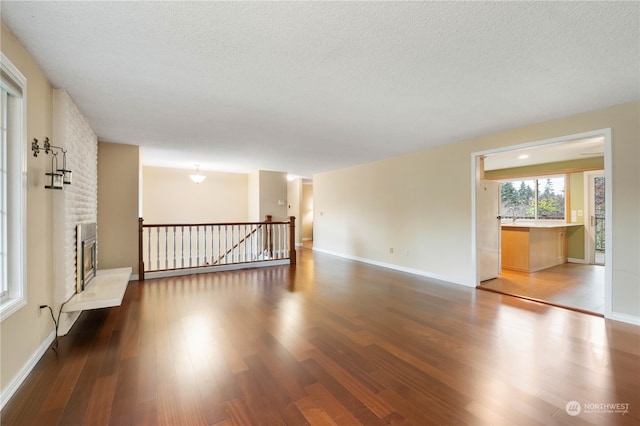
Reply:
x=390, y=250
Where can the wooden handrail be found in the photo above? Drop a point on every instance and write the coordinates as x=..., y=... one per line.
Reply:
x=268, y=240
x=156, y=225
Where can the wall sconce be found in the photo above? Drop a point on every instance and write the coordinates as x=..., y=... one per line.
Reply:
x=54, y=178
x=57, y=178
x=67, y=175
x=197, y=178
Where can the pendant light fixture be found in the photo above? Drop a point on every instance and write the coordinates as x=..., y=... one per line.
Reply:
x=197, y=177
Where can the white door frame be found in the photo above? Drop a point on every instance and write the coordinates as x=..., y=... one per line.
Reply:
x=475, y=175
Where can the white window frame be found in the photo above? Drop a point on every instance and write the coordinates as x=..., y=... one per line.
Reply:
x=536, y=191
x=14, y=188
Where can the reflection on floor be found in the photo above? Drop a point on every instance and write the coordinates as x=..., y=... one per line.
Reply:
x=570, y=285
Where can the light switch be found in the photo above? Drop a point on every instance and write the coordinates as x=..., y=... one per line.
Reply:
x=580, y=213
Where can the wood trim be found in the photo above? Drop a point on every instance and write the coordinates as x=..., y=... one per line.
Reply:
x=292, y=239
x=140, y=248
x=164, y=225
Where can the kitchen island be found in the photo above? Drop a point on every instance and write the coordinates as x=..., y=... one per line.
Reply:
x=530, y=246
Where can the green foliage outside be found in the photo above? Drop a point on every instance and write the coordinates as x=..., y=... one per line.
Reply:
x=519, y=200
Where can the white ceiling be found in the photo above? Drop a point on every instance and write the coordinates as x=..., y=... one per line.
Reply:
x=563, y=151
x=307, y=87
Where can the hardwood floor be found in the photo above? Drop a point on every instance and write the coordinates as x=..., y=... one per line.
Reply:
x=331, y=341
x=571, y=285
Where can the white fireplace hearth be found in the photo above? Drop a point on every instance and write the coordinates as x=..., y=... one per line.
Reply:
x=95, y=288
x=105, y=290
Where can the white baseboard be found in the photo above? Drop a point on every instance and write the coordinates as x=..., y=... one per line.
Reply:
x=396, y=267
x=13, y=386
x=630, y=319
x=573, y=260
x=134, y=277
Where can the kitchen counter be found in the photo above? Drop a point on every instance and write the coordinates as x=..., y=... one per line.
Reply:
x=530, y=246
x=537, y=224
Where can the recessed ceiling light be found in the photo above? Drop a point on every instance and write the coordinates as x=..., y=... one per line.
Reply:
x=523, y=156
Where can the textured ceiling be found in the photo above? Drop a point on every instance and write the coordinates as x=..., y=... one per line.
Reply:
x=307, y=87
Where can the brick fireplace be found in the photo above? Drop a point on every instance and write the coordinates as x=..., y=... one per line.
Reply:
x=76, y=204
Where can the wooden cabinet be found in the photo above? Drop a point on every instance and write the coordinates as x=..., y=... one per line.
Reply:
x=515, y=248
x=561, y=239
x=531, y=249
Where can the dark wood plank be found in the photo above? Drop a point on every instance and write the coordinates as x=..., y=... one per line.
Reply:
x=330, y=341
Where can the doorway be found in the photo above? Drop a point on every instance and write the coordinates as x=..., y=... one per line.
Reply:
x=588, y=283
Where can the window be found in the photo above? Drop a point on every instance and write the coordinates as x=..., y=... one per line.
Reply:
x=13, y=293
x=4, y=291
x=533, y=199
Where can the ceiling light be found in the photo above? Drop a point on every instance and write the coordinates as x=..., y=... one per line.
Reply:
x=523, y=156
x=197, y=177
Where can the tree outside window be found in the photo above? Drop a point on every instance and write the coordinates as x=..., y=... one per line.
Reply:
x=532, y=199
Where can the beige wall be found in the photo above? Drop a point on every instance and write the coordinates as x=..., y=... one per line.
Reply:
x=169, y=196
x=118, y=185
x=420, y=204
x=254, y=197
x=273, y=189
x=24, y=332
x=307, y=211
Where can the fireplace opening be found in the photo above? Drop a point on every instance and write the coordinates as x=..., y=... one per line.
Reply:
x=86, y=252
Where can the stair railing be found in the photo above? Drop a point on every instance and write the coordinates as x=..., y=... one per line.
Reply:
x=178, y=249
